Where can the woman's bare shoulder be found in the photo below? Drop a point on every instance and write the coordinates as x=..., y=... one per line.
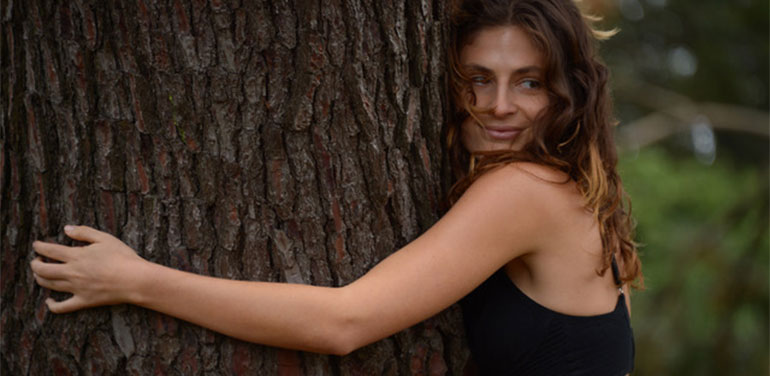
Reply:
x=530, y=176
x=533, y=187
x=541, y=173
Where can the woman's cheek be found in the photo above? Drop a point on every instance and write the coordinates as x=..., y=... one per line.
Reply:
x=470, y=135
x=485, y=96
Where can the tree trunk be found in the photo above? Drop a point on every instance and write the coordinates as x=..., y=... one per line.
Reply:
x=274, y=141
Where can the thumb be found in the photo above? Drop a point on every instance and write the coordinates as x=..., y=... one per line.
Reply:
x=72, y=304
x=84, y=233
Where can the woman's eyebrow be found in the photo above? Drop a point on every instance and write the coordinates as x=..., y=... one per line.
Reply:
x=523, y=70
x=528, y=69
x=476, y=68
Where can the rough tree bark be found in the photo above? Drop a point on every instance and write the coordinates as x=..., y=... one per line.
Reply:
x=293, y=141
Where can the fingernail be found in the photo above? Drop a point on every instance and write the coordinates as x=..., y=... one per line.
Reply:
x=68, y=228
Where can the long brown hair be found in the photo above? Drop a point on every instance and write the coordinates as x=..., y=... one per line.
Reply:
x=574, y=134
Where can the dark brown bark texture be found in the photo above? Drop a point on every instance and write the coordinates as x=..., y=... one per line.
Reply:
x=294, y=141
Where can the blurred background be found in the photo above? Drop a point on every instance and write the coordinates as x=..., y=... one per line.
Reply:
x=690, y=81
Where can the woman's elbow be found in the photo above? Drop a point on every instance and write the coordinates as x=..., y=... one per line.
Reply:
x=346, y=338
x=347, y=331
x=343, y=347
x=336, y=341
x=355, y=336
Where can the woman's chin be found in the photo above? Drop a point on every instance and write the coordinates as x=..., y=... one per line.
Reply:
x=488, y=144
x=492, y=147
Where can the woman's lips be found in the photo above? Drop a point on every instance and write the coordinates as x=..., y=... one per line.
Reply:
x=502, y=133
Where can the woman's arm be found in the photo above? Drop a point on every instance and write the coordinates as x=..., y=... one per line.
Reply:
x=279, y=314
x=499, y=218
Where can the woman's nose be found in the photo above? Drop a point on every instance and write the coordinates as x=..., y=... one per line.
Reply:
x=504, y=104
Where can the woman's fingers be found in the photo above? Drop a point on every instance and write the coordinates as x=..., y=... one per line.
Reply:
x=53, y=250
x=95, y=274
x=53, y=284
x=72, y=304
x=47, y=269
x=86, y=234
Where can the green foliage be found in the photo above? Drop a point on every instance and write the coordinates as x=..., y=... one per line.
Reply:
x=727, y=41
x=704, y=235
x=703, y=228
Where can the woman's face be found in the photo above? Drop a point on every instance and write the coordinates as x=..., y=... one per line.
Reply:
x=506, y=73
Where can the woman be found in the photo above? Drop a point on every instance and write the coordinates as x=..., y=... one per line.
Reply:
x=537, y=220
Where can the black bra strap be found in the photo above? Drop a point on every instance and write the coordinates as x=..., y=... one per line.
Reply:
x=616, y=272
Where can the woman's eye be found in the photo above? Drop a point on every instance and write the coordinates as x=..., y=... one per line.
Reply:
x=479, y=80
x=531, y=84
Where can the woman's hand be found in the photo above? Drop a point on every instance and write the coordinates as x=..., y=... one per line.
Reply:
x=101, y=273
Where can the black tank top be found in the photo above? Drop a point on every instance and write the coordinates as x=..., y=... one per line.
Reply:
x=510, y=334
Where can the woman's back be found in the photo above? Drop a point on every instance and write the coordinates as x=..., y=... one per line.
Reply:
x=548, y=311
x=561, y=273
